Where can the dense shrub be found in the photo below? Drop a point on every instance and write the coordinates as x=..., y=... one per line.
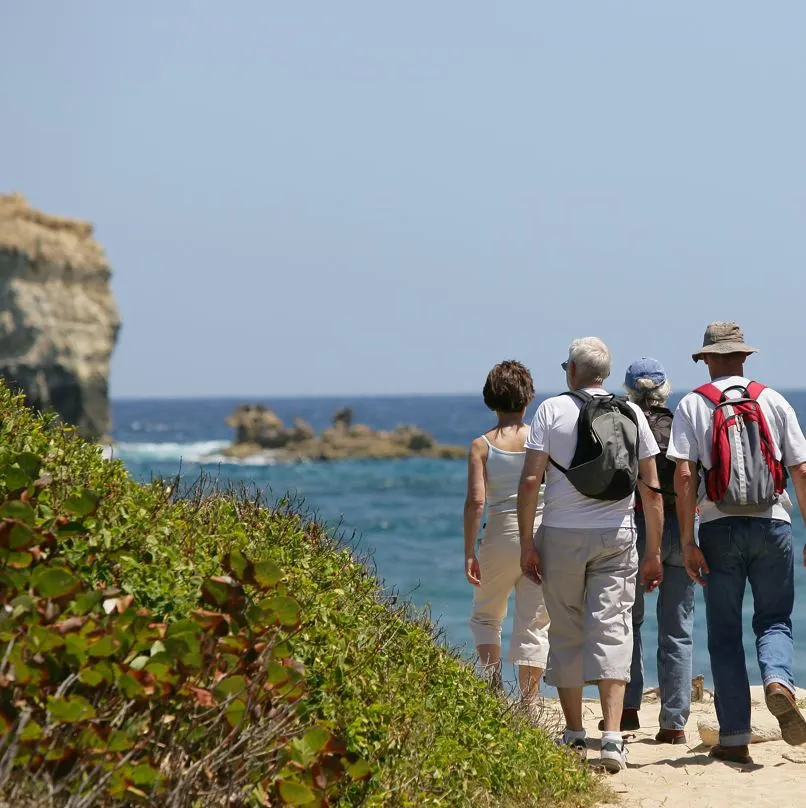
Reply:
x=276, y=669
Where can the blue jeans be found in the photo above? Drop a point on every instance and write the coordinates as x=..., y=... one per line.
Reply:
x=675, y=612
x=738, y=549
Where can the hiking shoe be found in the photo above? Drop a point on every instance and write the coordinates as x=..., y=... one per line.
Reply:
x=629, y=721
x=674, y=736
x=781, y=703
x=731, y=754
x=614, y=756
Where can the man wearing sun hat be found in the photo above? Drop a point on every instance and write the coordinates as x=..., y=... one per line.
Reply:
x=745, y=531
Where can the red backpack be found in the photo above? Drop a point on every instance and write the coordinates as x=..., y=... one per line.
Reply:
x=745, y=476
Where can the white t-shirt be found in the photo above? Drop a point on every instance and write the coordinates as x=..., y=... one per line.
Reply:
x=554, y=431
x=692, y=435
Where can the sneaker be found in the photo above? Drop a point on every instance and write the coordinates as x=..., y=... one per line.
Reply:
x=614, y=756
x=579, y=746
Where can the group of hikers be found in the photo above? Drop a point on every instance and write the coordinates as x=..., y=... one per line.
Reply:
x=566, y=532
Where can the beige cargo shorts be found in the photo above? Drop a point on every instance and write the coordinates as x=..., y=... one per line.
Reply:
x=589, y=580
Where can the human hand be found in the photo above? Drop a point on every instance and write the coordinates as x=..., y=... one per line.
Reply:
x=473, y=570
x=695, y=563
x=530, y=565
x=651, y=572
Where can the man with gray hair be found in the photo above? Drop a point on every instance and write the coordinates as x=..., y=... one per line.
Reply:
x=584, y=551
x=732, y=439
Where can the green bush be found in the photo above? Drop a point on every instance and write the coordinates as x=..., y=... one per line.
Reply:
x=371, y=680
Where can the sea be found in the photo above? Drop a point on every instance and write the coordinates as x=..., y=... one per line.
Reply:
x=403, y=516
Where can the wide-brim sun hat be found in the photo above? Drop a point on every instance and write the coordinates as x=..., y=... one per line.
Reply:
x=723, y=338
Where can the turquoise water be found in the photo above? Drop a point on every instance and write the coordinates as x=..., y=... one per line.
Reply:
x=405, y=516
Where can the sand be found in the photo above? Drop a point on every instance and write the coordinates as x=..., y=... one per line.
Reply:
x=683, y=776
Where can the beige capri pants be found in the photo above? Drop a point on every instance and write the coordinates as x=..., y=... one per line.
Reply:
x=500, y=562
x=589, y=579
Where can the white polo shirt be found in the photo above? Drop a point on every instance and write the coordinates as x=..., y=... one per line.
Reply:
x=692, y=434
x=554, y=431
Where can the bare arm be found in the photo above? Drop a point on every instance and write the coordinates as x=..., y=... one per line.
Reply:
x=534, y=467
x=652, y=503
x=474, y=505
x=685, y=489
x=798, y=475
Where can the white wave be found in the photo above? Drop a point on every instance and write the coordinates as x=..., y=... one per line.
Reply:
x=204, y=452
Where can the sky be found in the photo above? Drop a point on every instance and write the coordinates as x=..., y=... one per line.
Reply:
x=363, y=197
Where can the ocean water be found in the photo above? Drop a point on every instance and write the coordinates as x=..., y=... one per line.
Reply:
x=404, y=515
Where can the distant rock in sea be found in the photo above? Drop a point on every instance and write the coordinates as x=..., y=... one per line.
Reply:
x=259, y=431
x=58, y=319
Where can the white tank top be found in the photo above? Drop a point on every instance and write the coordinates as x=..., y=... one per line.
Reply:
x=503, y=477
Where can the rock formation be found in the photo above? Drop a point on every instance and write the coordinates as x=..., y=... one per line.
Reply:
x=58, y=319
x=259, y=431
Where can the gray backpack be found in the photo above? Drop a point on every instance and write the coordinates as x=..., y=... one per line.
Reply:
x=745, y=476
x=605, y=462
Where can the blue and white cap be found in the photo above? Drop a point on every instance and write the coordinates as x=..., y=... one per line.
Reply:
x=644, y=368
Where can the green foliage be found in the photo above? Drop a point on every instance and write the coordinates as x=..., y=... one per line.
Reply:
x=205, y=649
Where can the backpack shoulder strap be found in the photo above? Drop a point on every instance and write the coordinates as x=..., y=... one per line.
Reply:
x=580, y=395
x=711, y=392
x=754, y=390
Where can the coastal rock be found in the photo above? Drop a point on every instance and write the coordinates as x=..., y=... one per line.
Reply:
x=58, y=319
x=259, y=431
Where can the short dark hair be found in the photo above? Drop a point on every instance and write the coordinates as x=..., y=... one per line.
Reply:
x=509, y=387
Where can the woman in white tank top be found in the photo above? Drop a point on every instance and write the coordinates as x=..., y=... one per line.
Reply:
x=494, y=468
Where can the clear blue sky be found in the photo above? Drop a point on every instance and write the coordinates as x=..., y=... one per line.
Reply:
x=365, y=197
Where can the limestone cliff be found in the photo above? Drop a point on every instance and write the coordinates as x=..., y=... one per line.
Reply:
x=58, y=319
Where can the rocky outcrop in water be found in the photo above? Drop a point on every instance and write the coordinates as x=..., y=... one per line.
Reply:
x=58, y=319
x=259, y=431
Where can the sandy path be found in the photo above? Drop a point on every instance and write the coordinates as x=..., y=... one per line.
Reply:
x=685, y=777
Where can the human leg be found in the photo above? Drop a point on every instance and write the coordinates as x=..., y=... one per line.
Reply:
x=610, y=595
x=490, y=604
x=675, y=612
x=771, y=575
x=563, y=555
x=722, y=547
x=529, y=645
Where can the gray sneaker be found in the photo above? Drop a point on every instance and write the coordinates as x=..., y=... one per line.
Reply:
x=614, y=756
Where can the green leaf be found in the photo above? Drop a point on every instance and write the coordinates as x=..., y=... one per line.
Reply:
x=286, y=609
x=267, y=574
x=16, y=478
x=359, y=770
x=70, y=709
x=82, y=504
x=235, y=712
x=21, y=538
x=86, y=601
x=14, y=509
x=31, y=732
x=18, y=561
x=119, y=741
x=30, y=463
x=314, y=741
x=295, y=793
x=55, y=582
x=90, y=677
x=235, y=563
x=231, y=686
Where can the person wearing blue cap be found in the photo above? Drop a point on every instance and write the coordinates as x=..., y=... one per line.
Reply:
x=647, y=386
